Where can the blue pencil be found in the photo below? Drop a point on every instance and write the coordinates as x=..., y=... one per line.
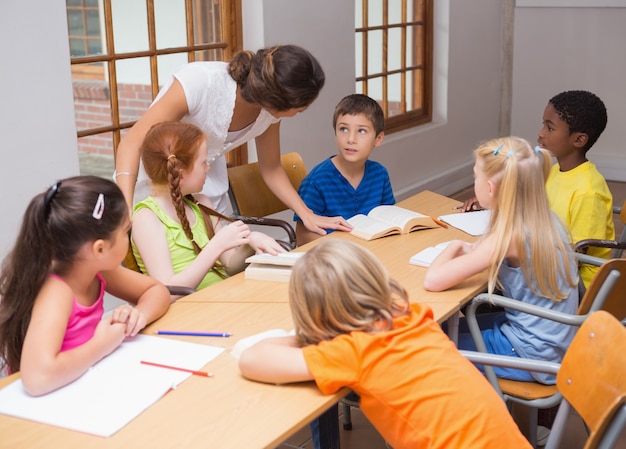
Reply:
x=195, y=334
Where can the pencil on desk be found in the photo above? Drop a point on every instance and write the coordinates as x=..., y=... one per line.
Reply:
x=439, y=222
x=194, y=334
x=159, y=365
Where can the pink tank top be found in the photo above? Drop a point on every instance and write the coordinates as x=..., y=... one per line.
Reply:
x=82, y=323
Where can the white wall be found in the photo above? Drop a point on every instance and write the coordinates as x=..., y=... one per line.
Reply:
x=38, y=143
x=558, y=49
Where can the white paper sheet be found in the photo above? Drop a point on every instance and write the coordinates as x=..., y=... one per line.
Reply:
x=473, y=223
x=115, y=390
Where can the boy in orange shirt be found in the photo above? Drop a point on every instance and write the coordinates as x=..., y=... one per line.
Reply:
x=355, y=328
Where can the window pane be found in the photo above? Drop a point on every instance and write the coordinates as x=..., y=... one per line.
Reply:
x=394, y=46
x=410, y=46
x=375, y=13
x=73, y=2
x=169, y=17
x=75, y=23
x=375, y=52
x=133, y=88
x=411, y=81
x=130, y=25
x=358, y=52
x=394, y=95
x=168, y=65
x=94, y=46
x=93, y=23
x=77, y=47
x=375, y=88
x=395, y=11
x=91, y=3
x=207, y=22
x=358, y=13
x=92, y=101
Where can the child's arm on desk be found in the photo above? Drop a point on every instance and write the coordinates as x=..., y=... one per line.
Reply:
x=275, y=360
x=457, y=262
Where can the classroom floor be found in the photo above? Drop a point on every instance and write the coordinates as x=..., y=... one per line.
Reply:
x=364, y=436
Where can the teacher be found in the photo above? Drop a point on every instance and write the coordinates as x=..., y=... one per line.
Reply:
x=233, y=103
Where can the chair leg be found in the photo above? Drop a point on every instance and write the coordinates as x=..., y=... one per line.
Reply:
x=347, y=417
x=532, y=423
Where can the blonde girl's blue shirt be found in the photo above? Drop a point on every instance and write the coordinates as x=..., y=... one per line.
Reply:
x=328, y=193
x=181, y=249
x=531, y=336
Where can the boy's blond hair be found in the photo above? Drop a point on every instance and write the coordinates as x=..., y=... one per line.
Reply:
x=521, y=216
x=338, y=287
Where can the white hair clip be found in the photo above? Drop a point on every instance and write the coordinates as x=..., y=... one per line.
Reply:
x=98, y=209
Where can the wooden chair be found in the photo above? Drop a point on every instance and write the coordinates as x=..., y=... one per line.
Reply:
x=253, y=201
x=617, y=246
x=590, y=379
x=606, y=292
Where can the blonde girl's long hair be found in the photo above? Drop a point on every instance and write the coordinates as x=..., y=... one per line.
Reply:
x=338, y=287
x=521, y=216
x=169, y=149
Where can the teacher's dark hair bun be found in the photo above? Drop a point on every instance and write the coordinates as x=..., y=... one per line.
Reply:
x=280, y=78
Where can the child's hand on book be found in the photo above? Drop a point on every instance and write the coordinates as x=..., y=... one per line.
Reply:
x=263, y=243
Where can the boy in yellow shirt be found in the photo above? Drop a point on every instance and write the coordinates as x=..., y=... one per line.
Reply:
x=577, y=192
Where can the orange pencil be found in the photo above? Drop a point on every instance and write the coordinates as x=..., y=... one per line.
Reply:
x=439, y=222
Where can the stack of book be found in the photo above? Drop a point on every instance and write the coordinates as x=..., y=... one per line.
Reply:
x=265, y=267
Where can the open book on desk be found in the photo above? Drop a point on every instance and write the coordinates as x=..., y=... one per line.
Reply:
x=472, y=223
x=389, y=220
x=265, y=267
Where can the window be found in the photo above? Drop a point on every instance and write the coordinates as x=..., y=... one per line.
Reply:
x=394, y=58
x=123, y=51
x=83, y=22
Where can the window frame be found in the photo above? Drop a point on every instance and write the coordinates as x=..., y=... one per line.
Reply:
x=423, y=44
x=232, y=41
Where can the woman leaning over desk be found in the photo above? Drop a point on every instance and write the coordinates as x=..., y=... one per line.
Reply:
x=233, y=103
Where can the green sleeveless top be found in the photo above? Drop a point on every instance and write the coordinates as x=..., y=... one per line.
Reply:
x=181, y=248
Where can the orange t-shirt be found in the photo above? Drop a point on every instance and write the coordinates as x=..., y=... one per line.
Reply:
x=415, y=387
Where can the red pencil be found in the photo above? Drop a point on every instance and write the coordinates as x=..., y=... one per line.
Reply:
x=197, y=373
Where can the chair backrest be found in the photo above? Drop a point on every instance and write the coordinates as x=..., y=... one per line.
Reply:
x=591, y=377
x=615, y=299
x=250, y=196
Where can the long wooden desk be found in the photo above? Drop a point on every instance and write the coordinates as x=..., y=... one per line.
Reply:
x=394, y=252
x=227, y=411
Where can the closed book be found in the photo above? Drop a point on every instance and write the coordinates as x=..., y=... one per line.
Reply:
x=426, y=256
x=266, y=267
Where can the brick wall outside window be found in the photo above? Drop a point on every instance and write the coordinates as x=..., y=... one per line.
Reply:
x=92, y=109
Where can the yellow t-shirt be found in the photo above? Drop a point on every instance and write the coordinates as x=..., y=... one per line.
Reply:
x=582, y=200
x=415, y=387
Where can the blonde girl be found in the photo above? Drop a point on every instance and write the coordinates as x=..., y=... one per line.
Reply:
x=355, y=328
x=68, y=253
x=177, y=237
x=525, y=252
